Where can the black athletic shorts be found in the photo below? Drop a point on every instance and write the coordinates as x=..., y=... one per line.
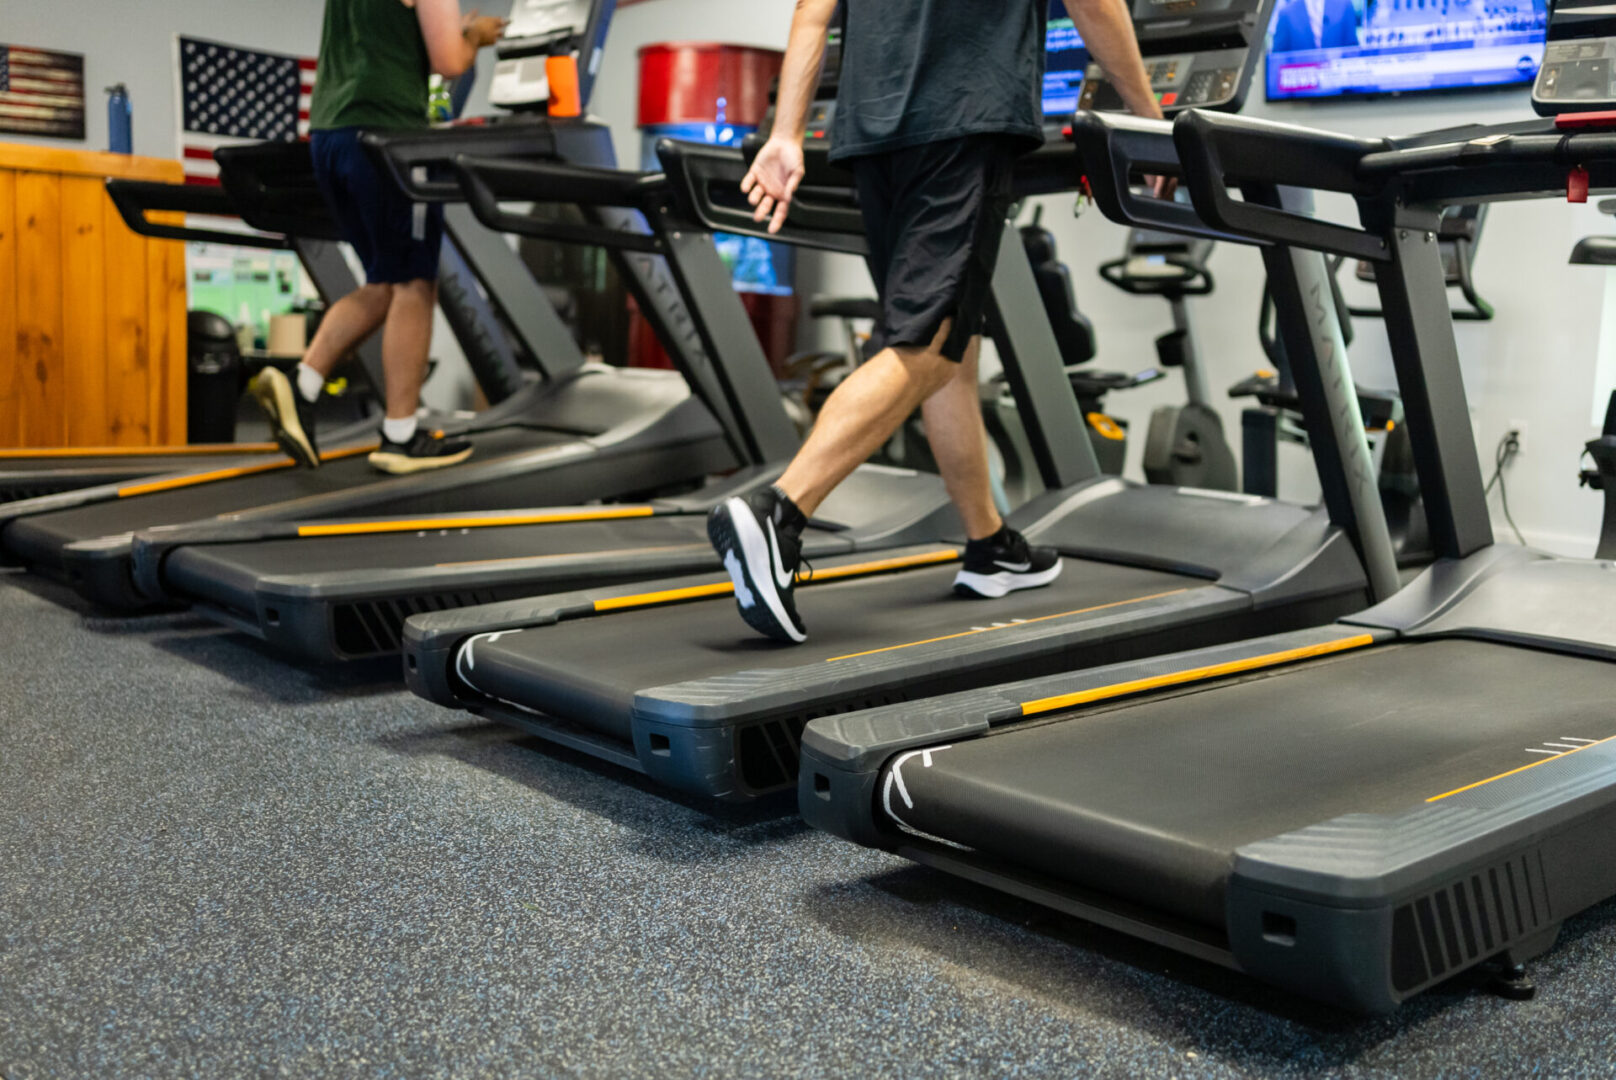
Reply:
x=934, y=215
x=396, y=238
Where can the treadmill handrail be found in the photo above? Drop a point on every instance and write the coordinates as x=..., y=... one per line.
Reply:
x=486, y=181
x=1217, y=151
x=706, y=185
x=135, y=198
x=1473, y=163
x=268, y=199
x=1113, y=148
x=402, y=154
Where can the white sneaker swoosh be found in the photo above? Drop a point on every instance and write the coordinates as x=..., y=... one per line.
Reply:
x=782, y=577
x=1014, y=568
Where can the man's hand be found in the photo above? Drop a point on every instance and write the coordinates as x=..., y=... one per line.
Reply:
x=772, y=180
x=482, y=30
x=1163, y=187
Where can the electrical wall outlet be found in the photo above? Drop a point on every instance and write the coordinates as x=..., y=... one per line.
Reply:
x=1519, y=428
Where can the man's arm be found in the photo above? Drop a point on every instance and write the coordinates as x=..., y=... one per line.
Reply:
x=452, y=40
x=778, y=169
x=1107, y=31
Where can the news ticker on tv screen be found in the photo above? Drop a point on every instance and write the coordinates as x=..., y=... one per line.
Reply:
x=1333, y=48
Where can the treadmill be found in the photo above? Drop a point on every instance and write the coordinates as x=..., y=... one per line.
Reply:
x=667, y=680
x=330, y=590
x=587, y=432
x=1352, y=812
x=492, y=305
x=27, y=473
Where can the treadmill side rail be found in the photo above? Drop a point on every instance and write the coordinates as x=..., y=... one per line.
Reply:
x=1367, y=910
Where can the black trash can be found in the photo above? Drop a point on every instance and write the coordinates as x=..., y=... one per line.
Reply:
x=214, y=378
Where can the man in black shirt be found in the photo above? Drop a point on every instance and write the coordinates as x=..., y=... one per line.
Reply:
x=936, y=100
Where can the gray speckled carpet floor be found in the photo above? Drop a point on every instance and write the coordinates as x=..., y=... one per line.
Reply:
x=215, y=864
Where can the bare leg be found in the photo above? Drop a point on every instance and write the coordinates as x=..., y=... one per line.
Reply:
x=349, y=321
x=861, y=414
x=406, y=341
x=958, y=440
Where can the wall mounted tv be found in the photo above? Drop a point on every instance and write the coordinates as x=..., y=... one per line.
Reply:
x=1342, y=48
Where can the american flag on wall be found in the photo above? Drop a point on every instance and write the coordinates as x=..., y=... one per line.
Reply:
x=231, y=95
x=41, y=92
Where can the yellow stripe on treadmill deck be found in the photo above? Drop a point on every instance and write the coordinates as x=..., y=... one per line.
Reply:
x=1512, y=772
x=1192, y=675
x=1012, y=625
x=724, y=588
x=364, y=528
x=174, y=483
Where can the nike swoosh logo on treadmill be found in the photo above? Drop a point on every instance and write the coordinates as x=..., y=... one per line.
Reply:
x=782, y=578
x=1014, y=568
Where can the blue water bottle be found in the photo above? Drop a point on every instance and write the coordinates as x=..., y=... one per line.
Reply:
x=120, y=120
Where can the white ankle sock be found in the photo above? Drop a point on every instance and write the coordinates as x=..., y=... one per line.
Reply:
x=398, y=431
x=309, y=383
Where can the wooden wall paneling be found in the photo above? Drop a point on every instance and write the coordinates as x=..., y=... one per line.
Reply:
x=84, y=343
x=83, y=304
x=128, y=349
x=10, y=407
x=39, y=309
x=165, y=264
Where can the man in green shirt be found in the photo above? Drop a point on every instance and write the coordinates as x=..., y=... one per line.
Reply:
x=375, y=59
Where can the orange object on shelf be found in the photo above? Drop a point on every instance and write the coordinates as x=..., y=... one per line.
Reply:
x=562, y=74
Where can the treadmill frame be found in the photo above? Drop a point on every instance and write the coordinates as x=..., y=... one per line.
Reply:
x=694, y=735
x=1365, y=910
x=676, y=272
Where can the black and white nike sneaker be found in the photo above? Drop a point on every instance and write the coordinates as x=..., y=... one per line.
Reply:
x=290, y=417
x=425, y=450
x=1003, y=563
x=760, y=540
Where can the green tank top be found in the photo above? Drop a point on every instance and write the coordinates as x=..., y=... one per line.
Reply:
x=373, y=67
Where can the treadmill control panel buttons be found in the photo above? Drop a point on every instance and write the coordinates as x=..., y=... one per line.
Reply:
x=1192, y=80
x=1576, y=73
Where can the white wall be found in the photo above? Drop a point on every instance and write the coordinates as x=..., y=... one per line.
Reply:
x=132, y=42
x=1534, y=363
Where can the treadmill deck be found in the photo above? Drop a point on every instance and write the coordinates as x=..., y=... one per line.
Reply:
x=38, y=535
x=591, y=671
x=1150, y=800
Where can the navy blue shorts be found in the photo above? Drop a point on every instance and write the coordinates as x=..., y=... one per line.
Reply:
x=396, y=238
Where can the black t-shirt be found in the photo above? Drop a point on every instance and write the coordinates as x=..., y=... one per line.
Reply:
x=920, y=71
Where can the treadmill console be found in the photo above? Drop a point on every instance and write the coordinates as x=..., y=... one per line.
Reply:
x=540, y=29
x=1576, y=75
x=823, y=109
x=1199, y=54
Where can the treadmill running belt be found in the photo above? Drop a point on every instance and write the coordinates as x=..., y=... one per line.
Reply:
x=151, y=463
x=559, y=670
x=228, y=573
x=39, y=533
x=32, y=477
x=1150, y=800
